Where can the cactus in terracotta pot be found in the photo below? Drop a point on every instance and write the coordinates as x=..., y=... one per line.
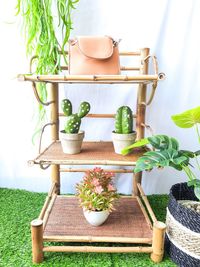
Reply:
x=124, y=120
x=71, y=136
x=73, y=121
x=123, y=134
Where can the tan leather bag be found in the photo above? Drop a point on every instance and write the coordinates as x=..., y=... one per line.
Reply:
x=89, y=55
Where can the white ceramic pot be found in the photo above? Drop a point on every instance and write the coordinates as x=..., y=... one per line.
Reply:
x=71, y=143
x=96, y=218
x=121, y=141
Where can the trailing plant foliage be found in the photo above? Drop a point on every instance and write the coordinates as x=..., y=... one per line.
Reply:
x=166, y=152
x=40, y=34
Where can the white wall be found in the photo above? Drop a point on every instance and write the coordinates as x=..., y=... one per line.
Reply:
x=169, y=28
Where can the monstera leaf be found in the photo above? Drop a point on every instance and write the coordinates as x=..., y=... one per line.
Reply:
x=188, y=118
x=163, y=158
x=156, y=141
x=163, y=142
x=140, y=143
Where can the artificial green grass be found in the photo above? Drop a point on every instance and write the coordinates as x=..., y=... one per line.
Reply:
x=18, y=208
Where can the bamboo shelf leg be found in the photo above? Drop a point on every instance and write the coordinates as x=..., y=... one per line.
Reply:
x=37, y=240
x=55, y=174
x=141, y=97
x=158, y=241
x=137, y=179
x=141, y=110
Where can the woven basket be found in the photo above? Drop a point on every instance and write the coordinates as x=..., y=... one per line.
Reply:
x=182, y=240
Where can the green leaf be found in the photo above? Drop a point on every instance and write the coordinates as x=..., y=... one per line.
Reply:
x=137, y=144
x=196, y=153
x=197, y=191
x=194, y=182
x=188, y=118
x=180, y=160
x=188, y=153
x=162, y=158
x=163, y=142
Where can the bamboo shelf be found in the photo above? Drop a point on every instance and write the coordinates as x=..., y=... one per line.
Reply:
x=99, y=153
x=61, y=219
x=66, y=213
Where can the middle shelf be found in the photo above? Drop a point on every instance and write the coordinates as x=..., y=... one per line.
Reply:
x=92, y=153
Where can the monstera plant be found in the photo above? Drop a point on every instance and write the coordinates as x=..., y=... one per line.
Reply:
x=166, y=151
x=42, y=21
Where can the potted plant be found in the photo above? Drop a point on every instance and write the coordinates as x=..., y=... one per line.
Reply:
x=183, y=213
x=97, y=195
x=123, y=135
x=71, y=136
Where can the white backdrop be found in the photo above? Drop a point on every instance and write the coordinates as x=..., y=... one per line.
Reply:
x=171, y=30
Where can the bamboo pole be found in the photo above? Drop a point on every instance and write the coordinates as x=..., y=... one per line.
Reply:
x=97, y=239
x=123, y=68
x=84, y=170
x=91, y=115
x=142, y=78
x=121, y=53
x=48, y=211
x=46, y=203
x=37, y=240
x=141, y=109
x=85, y=162
x=145, y=199
x=137, y=177
x=55, y=174
x=144, y=212
x=158, y=241
x=141, y=97
x=97, y=249
x=48, y=199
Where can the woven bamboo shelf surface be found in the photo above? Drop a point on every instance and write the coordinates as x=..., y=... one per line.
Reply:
x=144, y=79
x=67, y=220
x=101, y=153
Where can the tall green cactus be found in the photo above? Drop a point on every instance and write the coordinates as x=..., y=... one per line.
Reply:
x=73, y=121
x=124, y=120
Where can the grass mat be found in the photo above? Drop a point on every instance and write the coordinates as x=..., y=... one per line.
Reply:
x=18, y=208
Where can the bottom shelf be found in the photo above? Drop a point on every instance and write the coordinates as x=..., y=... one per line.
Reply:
x=62, y=220
x=127, y=224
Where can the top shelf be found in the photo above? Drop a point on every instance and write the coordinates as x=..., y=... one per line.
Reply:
x=100, y=79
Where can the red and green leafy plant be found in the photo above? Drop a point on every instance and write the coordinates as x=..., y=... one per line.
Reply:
x=96, y=191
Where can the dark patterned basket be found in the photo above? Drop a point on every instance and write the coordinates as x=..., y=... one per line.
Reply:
x=182, y=240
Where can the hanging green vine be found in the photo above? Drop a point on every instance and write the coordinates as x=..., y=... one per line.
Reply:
x=40, y=35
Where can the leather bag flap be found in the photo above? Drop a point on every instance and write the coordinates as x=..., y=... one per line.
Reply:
x=95, y=47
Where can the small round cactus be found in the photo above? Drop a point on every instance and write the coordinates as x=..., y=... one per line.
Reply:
x=73, y=121
x=124, y=120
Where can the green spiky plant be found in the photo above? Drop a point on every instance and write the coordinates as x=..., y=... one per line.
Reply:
x=73, y=121
x=166, y=151
x=124, y=120
x=39, y=18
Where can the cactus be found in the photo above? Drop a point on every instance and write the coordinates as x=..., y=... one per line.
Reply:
x=73, y=121
x=124, y=120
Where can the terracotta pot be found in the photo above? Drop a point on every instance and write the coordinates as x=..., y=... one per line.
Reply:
x=96, y=218
x=71, y=143
x=121, y=141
